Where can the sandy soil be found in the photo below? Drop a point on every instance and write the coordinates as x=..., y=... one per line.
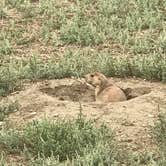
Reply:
x=131, y=120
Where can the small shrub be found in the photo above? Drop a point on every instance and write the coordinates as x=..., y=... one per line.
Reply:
x=80, y=63
x=5, y=48
x=14, y=3
x=86, y=34
x=63, y=140
x=3, y=13
x=8, y=80
x=160, y=134
x=7, y=108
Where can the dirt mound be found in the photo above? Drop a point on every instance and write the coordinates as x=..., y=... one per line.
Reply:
x=74, y=92
x=79, y=92
x=64, y=98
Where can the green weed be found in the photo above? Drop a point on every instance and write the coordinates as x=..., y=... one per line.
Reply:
x=64, y=140
x=160, y=136
x=7, y=108
x=78, y=64
x=8, y=80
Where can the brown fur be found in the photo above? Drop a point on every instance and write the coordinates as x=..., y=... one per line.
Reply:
x=105, y=90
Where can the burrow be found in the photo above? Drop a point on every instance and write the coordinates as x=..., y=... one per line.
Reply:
x=82, y=92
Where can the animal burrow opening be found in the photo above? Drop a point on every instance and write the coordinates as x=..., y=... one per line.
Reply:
x=83, y=93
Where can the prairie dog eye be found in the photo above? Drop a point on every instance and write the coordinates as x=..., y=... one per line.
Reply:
x=92, y=75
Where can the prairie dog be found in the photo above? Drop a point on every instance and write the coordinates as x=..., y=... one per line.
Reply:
x=105, y=90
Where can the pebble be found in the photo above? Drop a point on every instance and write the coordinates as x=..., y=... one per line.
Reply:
x=56, y=115
x=150, y=116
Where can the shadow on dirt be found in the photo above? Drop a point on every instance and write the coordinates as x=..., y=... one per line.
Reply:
x=81, y=92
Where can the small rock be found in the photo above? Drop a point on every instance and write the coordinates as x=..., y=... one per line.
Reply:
x=30, y=115
x=55, y=115
x=127, y=140
x=33, y=113
x=127, y=123
x=150, y=116
x=144, y=125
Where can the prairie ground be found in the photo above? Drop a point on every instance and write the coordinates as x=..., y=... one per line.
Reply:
x=48, y=117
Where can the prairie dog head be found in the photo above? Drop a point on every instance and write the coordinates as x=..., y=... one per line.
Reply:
x=96, y=79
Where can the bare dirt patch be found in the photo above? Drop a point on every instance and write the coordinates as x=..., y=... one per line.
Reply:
x=131, y=120
x=82, y=93
x=74, y=92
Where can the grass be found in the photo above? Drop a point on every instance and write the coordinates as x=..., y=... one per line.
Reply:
x=9, y=81
x=160, y=136
x=99, y=32
x=77, y=65
x=6, y=108
x=55, y=39
x=91, y=23
x=62, y=140
x=76, y=142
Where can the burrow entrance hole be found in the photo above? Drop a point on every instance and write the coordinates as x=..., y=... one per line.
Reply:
x=82, y=93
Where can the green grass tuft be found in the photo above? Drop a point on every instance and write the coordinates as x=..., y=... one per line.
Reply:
x=63, y=140
x=160, y=136
x=7, y=108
